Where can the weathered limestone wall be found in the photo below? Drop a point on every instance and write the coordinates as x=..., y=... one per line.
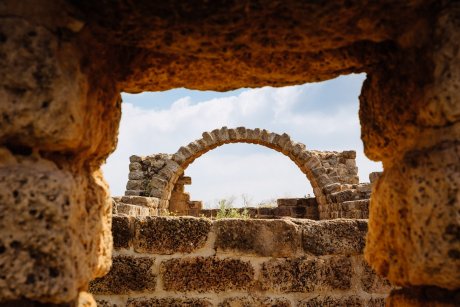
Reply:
x=415, y=131
x=185, y=261
x=58, y=122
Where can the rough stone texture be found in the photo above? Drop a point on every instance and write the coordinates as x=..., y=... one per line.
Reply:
x=373, y=283
x=346, y=237
x=206, y=274
x=254, y=302
x=414, y=218
x=173, y=302
x=233, y=268
x=105, y=303
x=165, y=235
x=275, y=238
x=65, y=62
x=416, y=255
x=128, y=274
x=307, y=275
x=45, y=248
x=328, y=301
x=122, y=231
x=240, y=36
x=57, y=127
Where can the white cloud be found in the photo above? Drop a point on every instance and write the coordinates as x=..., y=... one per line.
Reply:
x=319, y=115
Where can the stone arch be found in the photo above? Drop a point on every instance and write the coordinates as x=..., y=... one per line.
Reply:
x=328, y=172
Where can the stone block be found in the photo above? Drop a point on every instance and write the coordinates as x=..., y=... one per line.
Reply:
x=376, y=302
x=107, y=303
x=374, y=176
x=150, y=202
x=371, y=282
x=127, y=275
x=40, y=83
x=250, y=301
x=333, y=237
x=348, y=154
x=134, y=192
x=268, y=238
x=132, y=210
x=330, y=301
x=135, y=158
x=170, y=302
x=48, y=243
x=135, y=185
x=306, y=275
x=332, y=188
x=207, y=274
x=184, y=180
x=169, y=235
x=414, y=230
x=122, y=231
x=136, y=175
x=340, y=197
x=135, y=166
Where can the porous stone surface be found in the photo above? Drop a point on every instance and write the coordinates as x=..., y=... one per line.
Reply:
x=122, y=231
x=206, y=274
x=371, y=282
x=334, y=237
x=414, y=218
x=276, y=238
x=307, y=275
x=234, y=269
x=46, y=251
x=250, y=301
x=128, y=274
x=173, y=302
x=329, y=301
x=165, y=235
x=254, y=45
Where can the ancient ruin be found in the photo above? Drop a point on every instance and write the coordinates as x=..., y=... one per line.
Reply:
x=64, y=63
x=157, y=181
x=185, y=261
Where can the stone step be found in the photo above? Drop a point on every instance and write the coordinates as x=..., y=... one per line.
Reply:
x=133, y=210
x=348, y=195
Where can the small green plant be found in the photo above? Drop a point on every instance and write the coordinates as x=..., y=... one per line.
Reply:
x=268, y=203
x=227, y=211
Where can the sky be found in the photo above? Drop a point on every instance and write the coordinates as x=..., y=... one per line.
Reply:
x=323, y=116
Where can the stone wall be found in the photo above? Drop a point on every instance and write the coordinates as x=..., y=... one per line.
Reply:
x=185, y=261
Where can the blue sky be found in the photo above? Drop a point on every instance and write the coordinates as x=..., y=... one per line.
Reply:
x=323, y=116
